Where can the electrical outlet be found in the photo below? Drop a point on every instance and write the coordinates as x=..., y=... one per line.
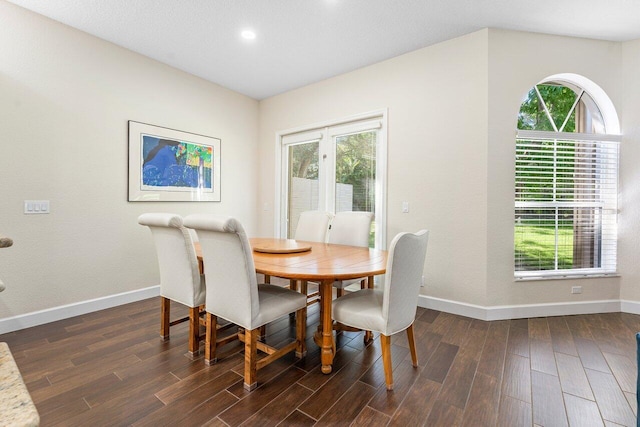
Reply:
x=423, y=281
x=576, y=289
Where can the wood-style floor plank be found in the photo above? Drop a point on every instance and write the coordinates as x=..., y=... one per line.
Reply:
x=542, y=356
x=444, y=414
x=561, y=337
x=418, y=403
x=346, y=409
x=548, y=403
x=539, y=329
x=280, y=408
x=518, y=341
x=483, y=401
x=582, y=412
x=572, y=376
x=457, y=385
x=495, y=347
x=613, y=405
x=194, y=398
x=370, y=418
x=386, y=401
x=625, y=371
x=591, y=356
x=514, y=413
x=516, y=381
x=473, y=343
x=260, y=397
x=458, y=331
x=320, y=401
x=111, y=368
x=439, y=364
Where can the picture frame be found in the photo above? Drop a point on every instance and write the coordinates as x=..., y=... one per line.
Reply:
x=168, y=165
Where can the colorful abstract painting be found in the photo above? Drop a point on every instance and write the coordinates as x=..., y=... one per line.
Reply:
x=170, y=165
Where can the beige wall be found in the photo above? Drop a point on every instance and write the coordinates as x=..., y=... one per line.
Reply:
x=437, y=150
x=629, y=223
x=65, y=99
x=452, y=116
x=517, y=61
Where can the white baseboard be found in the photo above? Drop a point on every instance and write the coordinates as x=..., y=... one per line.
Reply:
x=632, y=307
x=505, y=312
x=527, y=310
x=41, y=317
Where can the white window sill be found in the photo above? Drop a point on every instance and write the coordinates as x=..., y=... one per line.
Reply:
x=564, y=276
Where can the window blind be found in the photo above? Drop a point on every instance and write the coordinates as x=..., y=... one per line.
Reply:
x=565, y=204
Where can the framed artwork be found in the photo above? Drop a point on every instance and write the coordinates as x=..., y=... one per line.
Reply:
x=171, y=165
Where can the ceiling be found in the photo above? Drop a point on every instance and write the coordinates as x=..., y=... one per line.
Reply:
x=304, y=41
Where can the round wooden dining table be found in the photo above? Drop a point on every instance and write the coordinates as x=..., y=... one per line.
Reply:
x=323, y=263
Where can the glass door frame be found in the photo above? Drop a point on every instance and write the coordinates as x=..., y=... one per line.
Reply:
x=326, y=132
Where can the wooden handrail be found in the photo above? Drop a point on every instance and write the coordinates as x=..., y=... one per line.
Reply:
x=5, y=242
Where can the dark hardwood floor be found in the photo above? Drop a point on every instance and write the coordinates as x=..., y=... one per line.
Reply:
x=110, y=368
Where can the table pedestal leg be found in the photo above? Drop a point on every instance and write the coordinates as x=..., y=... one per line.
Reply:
x=325, y=340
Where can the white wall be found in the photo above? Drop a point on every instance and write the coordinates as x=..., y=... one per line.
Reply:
x=629, y=224
x=65, y=99
x=437, y=150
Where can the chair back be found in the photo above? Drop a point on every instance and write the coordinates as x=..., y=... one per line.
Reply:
x=405, y=265
x=313, y=226
x=179, y=274
x=232, y=288
x=351, y=228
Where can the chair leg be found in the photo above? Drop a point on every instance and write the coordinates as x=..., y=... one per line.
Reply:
x=267, y=279
x=194, y=331
x=293, y=285
x=368, y=336
x=165, y=312
x=385, y=341
x=250, y=359
x=301, y=329
x=412, y=346
x=211, y=337
x=339, y=292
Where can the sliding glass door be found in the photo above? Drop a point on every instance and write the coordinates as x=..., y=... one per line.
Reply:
x=335, y=168
x=302, y=181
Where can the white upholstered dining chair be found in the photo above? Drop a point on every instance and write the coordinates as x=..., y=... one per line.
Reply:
x=180, y=278
x=353, y=229
x=392, y=308
x=234, y=294
x=313, y=226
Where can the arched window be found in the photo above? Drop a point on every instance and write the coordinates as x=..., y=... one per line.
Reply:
x=566, y=180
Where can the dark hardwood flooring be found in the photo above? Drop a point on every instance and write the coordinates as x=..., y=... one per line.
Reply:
x=110, y=368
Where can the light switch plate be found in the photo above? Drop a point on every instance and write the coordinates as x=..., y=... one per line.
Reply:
x=36, y=207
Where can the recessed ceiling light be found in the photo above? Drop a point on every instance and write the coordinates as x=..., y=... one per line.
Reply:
x=248, y=34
